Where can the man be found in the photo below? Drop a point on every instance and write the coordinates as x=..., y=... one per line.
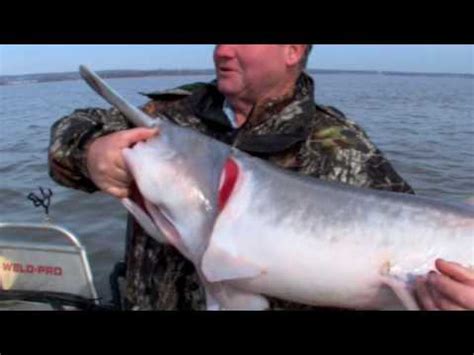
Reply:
x=262, y=103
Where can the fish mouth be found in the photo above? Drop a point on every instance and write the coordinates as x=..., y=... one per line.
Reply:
x=162, y=220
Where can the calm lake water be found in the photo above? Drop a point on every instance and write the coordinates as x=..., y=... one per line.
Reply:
x=424, y=125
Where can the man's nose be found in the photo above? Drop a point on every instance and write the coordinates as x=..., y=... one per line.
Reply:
x=224, y=51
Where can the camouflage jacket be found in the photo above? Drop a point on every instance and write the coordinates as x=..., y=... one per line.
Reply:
x=292, y=131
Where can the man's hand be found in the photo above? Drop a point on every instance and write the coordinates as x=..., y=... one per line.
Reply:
x=106, y=165
x=451, y=289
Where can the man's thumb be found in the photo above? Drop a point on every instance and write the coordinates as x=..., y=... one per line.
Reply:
x=139, y=134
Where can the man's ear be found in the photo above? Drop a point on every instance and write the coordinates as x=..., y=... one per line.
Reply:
x=294, y=54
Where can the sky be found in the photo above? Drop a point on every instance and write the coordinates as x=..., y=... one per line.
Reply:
x=29, y=59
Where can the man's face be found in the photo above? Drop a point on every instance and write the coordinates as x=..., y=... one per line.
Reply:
x=249, y=71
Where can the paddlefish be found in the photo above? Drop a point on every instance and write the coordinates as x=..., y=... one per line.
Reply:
x=254, y=230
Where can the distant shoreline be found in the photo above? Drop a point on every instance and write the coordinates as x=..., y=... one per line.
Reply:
x=110, y=74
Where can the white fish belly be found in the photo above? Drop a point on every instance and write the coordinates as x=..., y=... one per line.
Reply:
x=297, y=266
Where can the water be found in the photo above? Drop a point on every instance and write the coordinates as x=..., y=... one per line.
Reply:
x=424, y=125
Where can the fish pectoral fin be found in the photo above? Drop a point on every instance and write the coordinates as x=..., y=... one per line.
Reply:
x=237, y=300
x=143, y=219
x=223, y=297
x=400, y=290
x=212, y=304
x=220, y=265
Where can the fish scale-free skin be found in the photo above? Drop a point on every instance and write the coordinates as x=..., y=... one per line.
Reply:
x=329, y=244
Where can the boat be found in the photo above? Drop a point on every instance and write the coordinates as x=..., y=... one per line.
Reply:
x=44, y=266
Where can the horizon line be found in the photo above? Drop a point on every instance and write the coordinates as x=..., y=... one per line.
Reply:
x=213, y=70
